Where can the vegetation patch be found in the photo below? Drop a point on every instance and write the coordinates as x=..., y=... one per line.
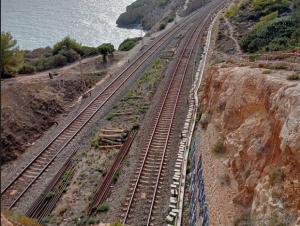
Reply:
x=244, y=220
x=116, y=176
x=294, y=76
x=137, y=100
x=277, y=34
x=273, y=24
x=276, y=175
x=162, y=26
x=68, y=50
x=116, y=223
x=50, y=195
x=233, y=10
x=129, y=43
x=104, y=207
x=12, y=58
x=218, y=148
x=19, y=219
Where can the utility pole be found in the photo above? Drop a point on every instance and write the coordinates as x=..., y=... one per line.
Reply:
x=81, y=74
x=142, y=41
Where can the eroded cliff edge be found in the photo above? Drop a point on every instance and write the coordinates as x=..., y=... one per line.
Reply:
x=256, y=117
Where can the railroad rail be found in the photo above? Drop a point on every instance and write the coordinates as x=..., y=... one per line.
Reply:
x=151, y=167
x=20, y=184
x=46, y=202
x=102, y=191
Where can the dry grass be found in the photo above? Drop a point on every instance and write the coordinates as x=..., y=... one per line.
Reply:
x=219, y=148
x=293, y=77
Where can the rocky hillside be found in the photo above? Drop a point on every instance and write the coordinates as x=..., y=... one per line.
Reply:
x=255, y=118
x=266, y=25
x=250, y=128
x=148, y=12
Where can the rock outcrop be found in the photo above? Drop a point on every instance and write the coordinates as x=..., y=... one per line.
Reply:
x=257, y=117
x=147, y=12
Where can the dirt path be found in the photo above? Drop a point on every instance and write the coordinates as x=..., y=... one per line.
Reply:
x=231, y=31
x=44, y=75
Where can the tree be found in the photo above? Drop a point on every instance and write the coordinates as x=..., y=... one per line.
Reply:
x=12, y=58
x=105, y=49
x=67, y=44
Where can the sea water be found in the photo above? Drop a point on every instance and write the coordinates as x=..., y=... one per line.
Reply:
x=41, y=23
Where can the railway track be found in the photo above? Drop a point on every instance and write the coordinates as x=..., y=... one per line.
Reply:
x=144, y=191
x=30, y=174
x=46, y=202
x=102, y=190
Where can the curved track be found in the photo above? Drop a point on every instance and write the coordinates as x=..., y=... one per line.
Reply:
x=152, y=165
x=19, y=185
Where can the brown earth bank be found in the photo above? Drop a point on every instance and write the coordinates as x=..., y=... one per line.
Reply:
x=32, y=104
x=251, y=120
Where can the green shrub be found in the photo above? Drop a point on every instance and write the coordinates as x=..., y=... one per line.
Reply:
x=170, y=19
x=59, y=60
x=296, y=38
x=294, y=76
x=71, y=55
x=278, y=44
x=12, y=58
x=89, y=51
x=129, y=43
x=232, y=11
x=50, y=195
x=66, y=44
x=278, y=30
x=27, y=69
x=105, y=49
x=264, y=20
x=110, y=116
x=43, y=63
x=162, y=26
x=263, y=4
x=95, y=142
x=116, y=176
x=104, y=207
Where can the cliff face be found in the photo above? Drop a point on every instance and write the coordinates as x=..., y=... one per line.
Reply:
x=257, y=117
x=147, y=12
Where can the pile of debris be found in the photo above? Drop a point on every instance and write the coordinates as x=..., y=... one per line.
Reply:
x=112, y=138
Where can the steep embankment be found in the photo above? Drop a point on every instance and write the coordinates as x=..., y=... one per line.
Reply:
x=250, y=127
x=30, y=105
x=28, y=109
x=255, y=116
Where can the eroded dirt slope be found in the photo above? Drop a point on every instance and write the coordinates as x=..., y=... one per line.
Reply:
x=32, y=104
x=256, y=116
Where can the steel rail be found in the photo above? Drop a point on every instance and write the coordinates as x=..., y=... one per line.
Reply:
x=201, y=25
x=102, y=191
x=170, y=33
